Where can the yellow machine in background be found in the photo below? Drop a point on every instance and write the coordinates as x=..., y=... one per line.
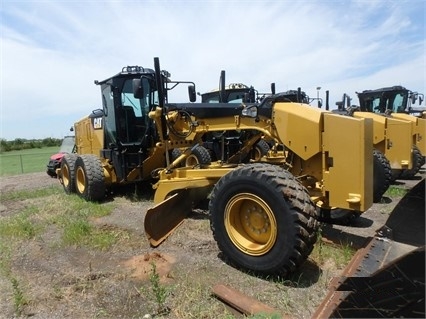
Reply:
x=392, y=141
x=400, y=103
x=263, y=215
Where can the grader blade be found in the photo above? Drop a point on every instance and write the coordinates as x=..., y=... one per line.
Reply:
x=162, y=219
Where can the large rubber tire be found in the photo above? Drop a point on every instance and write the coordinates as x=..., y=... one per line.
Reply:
x=199, y=156
x=417, y=160
x=263, y=219
x=67, y=176
x=382, y=175
x=89, y=178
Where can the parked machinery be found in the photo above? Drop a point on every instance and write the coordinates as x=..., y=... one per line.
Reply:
x=263, y=215
x=400, y=103
x=391, y=137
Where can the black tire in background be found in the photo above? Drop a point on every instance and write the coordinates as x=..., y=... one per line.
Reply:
x=417, y=160
x=260, y=149
x=67, y=177
x=263, y=219
x=89, y=178
x=199, y=156
x=382, y=175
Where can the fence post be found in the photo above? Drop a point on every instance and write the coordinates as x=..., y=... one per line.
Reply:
x=22, y=165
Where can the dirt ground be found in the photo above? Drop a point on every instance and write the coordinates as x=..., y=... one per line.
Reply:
x=77, y=282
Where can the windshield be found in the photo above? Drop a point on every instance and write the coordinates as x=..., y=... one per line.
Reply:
x=67, y=145
x=231, y=96
x=132, y=113
x=398, y=103
x=141, y=106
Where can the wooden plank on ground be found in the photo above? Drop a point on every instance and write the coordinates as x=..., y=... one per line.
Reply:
x=243, y=303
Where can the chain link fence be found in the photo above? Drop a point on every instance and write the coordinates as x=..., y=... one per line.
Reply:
x=13, y=164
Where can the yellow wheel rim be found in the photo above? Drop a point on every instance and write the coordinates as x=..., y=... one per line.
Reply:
x=66, y=180
x=257, y=154
x=191, y=161
x=80, y=180
x=250, y=224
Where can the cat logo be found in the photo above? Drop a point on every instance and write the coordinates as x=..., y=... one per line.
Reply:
x=97, y=123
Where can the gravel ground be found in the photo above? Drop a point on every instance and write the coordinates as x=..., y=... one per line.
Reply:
x=77, y=282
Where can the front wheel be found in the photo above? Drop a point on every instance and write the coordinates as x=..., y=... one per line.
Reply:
x=417, y=160
x=90, y=178
x=263, y=219
x=382, y=175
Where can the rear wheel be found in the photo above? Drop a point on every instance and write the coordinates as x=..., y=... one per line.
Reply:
x=89, y=178
x=382, y=175
x=199, y=156
x=263, y=219
x=68, y=173
x=417, y=160
x=260, y=149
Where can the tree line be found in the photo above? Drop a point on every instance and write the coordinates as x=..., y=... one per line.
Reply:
x=24, y=144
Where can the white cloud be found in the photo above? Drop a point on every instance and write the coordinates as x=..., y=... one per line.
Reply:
x=52, y=51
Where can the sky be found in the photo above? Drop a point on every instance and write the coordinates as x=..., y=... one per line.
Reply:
x=52, y=51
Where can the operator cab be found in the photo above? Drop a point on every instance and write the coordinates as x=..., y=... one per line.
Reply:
x=233, y=93
x=396, y=99
x=126, y=116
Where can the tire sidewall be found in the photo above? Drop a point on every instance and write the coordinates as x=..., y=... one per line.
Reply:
x=68, y=163
x=286, y=234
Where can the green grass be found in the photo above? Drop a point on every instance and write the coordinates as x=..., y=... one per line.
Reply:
x=25, y=161
x=20, y=225
x=52, y=207
x=395, y=191
x=32, y=193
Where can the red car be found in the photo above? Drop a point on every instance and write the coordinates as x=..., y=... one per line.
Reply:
x=67, y=146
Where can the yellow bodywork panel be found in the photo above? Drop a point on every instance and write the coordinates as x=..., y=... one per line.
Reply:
x=419, y=130
x=299, y=128
x=399, y=143
x=89, y=135
x=379, y=126
x=392, y=137
x=348, y=180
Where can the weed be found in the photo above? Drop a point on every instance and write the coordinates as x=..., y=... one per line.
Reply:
x=159, y=291
x=340, y=254
x=19, y=300
x=319, y=241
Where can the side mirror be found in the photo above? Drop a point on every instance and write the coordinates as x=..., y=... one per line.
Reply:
x=413, y=98
x=191, y=93
x=137, y=89
x=319, y=104
x=420, y=100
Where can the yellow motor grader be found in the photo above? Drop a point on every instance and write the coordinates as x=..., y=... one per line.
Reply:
x=263, y=215
x=400, y=103
x=392, y=139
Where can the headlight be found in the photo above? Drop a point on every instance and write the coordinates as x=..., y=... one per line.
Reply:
x=249, y=111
